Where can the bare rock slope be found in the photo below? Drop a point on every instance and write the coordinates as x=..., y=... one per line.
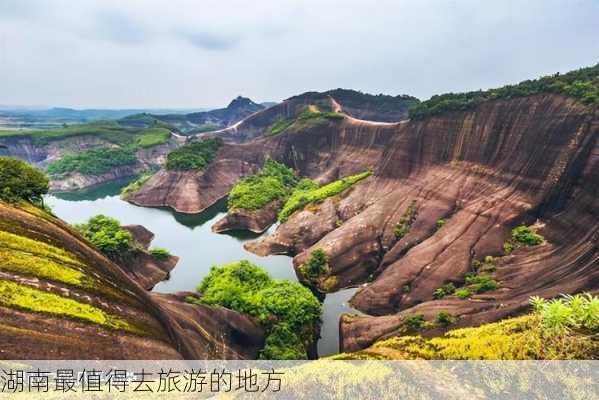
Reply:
x=528, y=160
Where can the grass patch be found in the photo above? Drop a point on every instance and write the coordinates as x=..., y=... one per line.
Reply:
x=274, y=181
x=307, y=192
x=558, y=329
x=135, y=185
x=153, y=137
x=22, y=297
x=92, y=162
x=193, y=156
x=310, y=115
x=288, y=311
x=28, y=264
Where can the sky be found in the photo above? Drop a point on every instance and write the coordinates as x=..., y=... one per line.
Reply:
x=203, y=53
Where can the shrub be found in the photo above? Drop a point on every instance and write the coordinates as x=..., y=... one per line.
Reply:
x=445, y=318
x=93, y=162
x=406, y=221
x=480, y=283
x=21, y=181
x=307, y=192
x=274, y=181
x=415, y=321
x=463, y=293
x=193, y=156
x=283, y=344
x=443, y=291
x=526, y=236
x=317, y=265
x=440, y=223
x=160, y=253
x=561, y=315
x=107, y=235
x=282, y=307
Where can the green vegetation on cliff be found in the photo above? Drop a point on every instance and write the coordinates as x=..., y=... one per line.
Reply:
x=23, y=297
x=582, y=84
x=107, y=235
x=522, y=236
x=311, y=115
x=288, y=311
x=20, y=181
x=193, y=156
x=405, y=222
x=135, y=185
x=273, y=182
x=93, y=162
x=307, y=192
x=563, y=328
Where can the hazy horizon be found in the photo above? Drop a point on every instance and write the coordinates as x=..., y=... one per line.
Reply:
x=184, y=54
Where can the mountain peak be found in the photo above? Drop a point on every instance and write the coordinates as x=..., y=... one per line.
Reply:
x=241, y=101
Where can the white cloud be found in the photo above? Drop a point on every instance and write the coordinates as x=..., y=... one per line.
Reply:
x=184, y=53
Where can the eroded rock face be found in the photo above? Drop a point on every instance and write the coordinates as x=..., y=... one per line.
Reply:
x=525, y=160
x=256, y=221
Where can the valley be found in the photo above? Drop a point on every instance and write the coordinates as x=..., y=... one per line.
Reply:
x=407, y=220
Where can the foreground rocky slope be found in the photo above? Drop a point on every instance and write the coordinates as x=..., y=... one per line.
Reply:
x=61, y=299
x=483, y=171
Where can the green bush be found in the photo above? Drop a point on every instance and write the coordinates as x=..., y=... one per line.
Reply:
x=160, y=253
x=282, y=307
x=274, y=181
x=306, y=192
x=445, y=290
x=107, y=235
x=415, y=321
x=317, y=265
x=582, y=84
x=526, y=236
x=463, y=293
x=480, y=283
x=21, y=181
x=561, y=315
x=193, y=156
x=440, y=223
x=93, y=162
x=445, y=318
x=283, y=344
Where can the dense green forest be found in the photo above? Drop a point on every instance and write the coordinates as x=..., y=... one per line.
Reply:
x=193, y=156
x=288, y=311
x=274, y=181
x=93, y=162
x=582, y=84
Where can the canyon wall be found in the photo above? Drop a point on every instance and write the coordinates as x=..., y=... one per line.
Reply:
x=530, y=160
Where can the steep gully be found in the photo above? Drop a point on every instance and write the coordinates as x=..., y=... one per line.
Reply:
x=528, y=160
